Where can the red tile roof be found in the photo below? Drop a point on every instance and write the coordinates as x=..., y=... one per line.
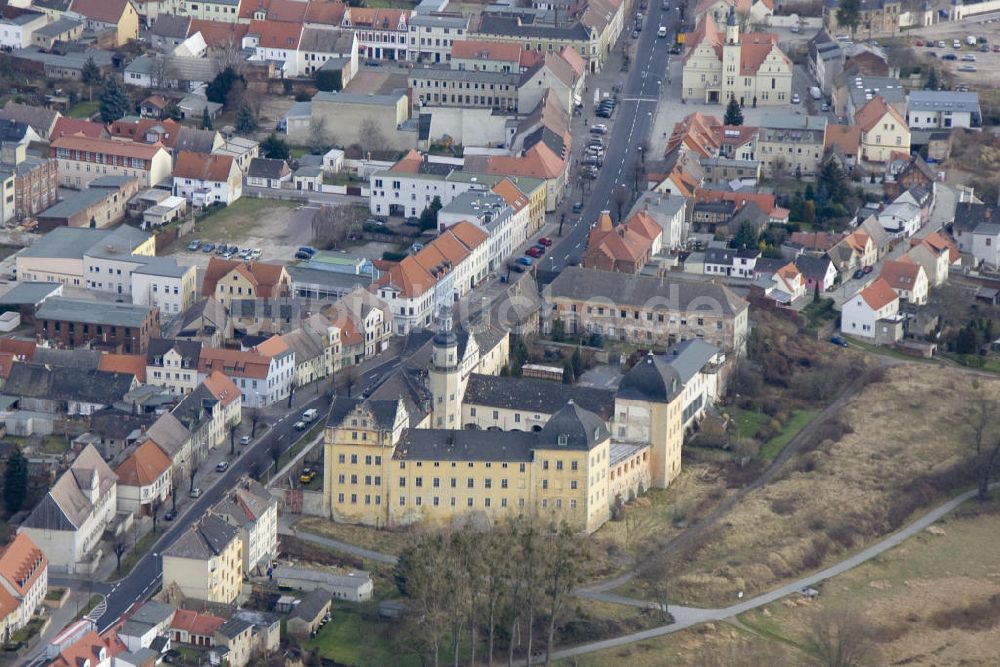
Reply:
x=218, y=33
x=146, y=465
x=194, y=623
x=22, y=563
x=19, y=347
x=224, y=389
x=203, y=167
x=67, y=126
x=275, y=34
x=132, y=364
x=106, y=11
x=766, y=202
x=88, y=648
x=474, y=49
x=874, y=111
x=879, y=294
x=939, y=242
x=901, y=275
x=234, y=363
x=108, y=146
x=266, y=278
x=325, y=12
x=847, y=138
x=165, y=131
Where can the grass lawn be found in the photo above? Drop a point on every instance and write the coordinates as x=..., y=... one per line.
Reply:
x=388, y=4
x=141, y=547
x=54, y=594
x=91, y=603
x=355, y=637
x=990, y=364
x=885, y=350
x=84, y=110
x=343, y=178
x=233, y=223
x=773, y=447
x=748, y=422
x=386, y=541
x=52, y=444
x=819, y=311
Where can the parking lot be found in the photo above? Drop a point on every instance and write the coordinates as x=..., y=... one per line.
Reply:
x=986, y=64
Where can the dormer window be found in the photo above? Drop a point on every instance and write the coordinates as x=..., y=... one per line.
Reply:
x=562, y=440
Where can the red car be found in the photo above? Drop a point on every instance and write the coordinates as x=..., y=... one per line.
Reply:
x=545, y=241
x=533, y=251
x=867, y=270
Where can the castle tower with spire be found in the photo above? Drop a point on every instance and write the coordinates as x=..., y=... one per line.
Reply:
x=731, y=57
x=444, y=375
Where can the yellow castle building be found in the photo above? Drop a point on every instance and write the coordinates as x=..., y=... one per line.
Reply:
x=454, y=440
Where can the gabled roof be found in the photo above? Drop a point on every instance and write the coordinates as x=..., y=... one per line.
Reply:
x=234, y=363
x=67, y=504
x=218, y=33
x=195, y=623
x=108, y=146
x=274, y=34
x=899, y=274
x=261, y=167
x=878, y=294
x=204, y=540
x=169, y=434
x=130, y=364
x=202, y=167
x=533, y=395
x=474, y=49
x=220, y=386
x=845, y=138
x=144, y=467
x=22, y=563
x=265, y=277
x=171, y=26
x=32, y=380
x=325, y=12
x=874, y=111
x=106, y=11
x=66, y=126
x=939, y=243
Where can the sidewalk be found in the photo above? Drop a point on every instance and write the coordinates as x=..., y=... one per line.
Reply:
x=285, y=528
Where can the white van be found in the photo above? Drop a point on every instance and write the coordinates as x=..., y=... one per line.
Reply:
x=662, y=32
x=309, y=415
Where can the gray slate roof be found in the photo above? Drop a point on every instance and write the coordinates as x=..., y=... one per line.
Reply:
x=657, y=293
x=32, y=380
x=75, y=242
x=652, y=379
x=534, y=395
x=262, y=167
x=66, y=506
x=206, y=539
x=312, y=605
x=188, y=349
x=689, y=357
x=28, y=293
x=383, y=411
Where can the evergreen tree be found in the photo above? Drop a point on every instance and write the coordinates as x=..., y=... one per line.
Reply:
x=219, y=87
x=15, y=482
x=746, y=237
x=206, y=119
x=734, y=115
x=91, y=73
x=849, y=14
x=114, y=102
x=933, y=83
x=246, y=121
x=567, y=373
x=577, y=361
x=274, y=148
x=172, y=112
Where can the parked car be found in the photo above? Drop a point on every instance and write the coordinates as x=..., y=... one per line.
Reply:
x=307, y=475
x=300, y=425
x=525, y=261
x=302, y=255
x=868, y=269
x=170, y=515
x=517, y=267
x=809, y=592
x=967, y=68
x=796, y=99
x=858, y=274
x=949, y=56
x=222, y=466
x=412, y=221
x=539, y=247
x=256, y=253
x=635, y=33
x=195, y=493
x=675, y=49
x=245, y=440
x=600, y=128
x=208, y=247
x=825, y=107
x=592, y=160
x=533, y=251
x=577, y=207
x=603, y=113
x=837, y=340
x=984, y=48
x=969, y=58
x=545, y=241
x=194, y=244
x=307, y=249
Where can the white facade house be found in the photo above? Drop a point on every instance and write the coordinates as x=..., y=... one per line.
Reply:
x=207, y=179
x=16, y=32
x=861, y=313
x=166, y=285
x=490, y=212
x=901, y=219
x=67, y=524
x=986, y=244
x=406, y=194
x=252, y=510
x=265, y=376
x=942, y=109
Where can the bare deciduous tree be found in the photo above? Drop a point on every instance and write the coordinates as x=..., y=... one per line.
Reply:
x=840, y=638
x=985, y=441
x=318, y=139
x=230, y=54
x=371, y=136
x=331, y=225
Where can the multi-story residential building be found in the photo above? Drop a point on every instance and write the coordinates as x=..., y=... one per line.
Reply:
x=731, y=262
x=253, y=511
x=229, y=397
x=36, y=180
x=476, y=55
x=908, y=279
x=488, y=211
x=521, y=226
x=173, y=364
x=791, y=144
x=63, y=29
x=207, y=179
x=382, y=33
x=317, y=46
x=749, y=68
x=861, y=314
x=118, y=15
x=440, y=274
x=876, y=16
x=942, y=109
x=164, y=284
x=431, y=36
x=411, y=184
x=884, y=132
x=264, y=374
x=227, y=280
x=544, y=38
x=24, y=581
x=82, y=159
x=59, y=256
x=68, y=523
x=16, y=32
x=977, y=234
x=118, y=327
x=144, y=480
x=206, y=562
x=223, y=11
x=646, y=310
x=448, y=87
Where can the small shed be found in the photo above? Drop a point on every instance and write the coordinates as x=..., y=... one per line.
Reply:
x=308, y=179
x=170, y=209
x=308, y=615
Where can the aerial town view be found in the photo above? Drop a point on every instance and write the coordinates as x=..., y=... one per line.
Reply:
x=576, y=333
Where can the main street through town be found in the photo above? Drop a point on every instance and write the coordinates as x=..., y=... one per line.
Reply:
x=631, y=125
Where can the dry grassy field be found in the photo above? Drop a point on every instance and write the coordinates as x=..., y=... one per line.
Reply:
x=893, y=452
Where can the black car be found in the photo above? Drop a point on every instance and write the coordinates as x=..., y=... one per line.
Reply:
x=859, y=274
x=302, y=255
x=577, y=207
x=675, y=49
x=170, y=515
x=413, y=221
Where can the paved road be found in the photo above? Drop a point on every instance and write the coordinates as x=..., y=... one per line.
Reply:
x=632, y=122
x=685, y=617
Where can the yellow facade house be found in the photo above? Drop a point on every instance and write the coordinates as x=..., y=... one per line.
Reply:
x=228, y=279
x=206, y=562
x=119, y=15
x=883, y=131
